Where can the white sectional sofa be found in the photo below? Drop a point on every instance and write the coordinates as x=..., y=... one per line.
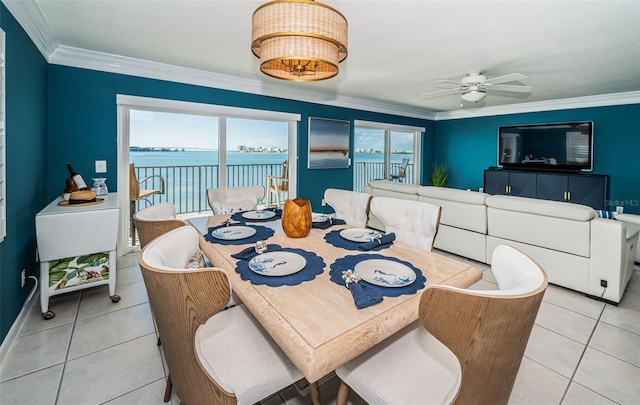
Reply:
x=576, y=249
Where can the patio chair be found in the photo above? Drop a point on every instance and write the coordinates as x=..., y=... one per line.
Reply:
x=227, y=200
x=214, y=356
x=413, y=222
x=350, y=206
x=278, y=186
x=402, y=171
x=136, y=194
x=466, y=348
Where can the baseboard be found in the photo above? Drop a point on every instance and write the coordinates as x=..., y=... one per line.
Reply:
x=17, y=324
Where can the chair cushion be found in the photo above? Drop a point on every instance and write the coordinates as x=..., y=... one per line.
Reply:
x=410, y=367
x=174, y=252
x=229, y=207
x=239, y=354
x=157, y=212
x=350, y=206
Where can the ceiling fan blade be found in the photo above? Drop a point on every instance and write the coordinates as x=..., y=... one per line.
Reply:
x=448, y=81
x=510, y=87
x=506, y=78
x=439, y=93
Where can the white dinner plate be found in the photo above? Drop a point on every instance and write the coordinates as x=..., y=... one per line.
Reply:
x=359, y=234
x=233, y=232
x=258, y=214
x=319, y=217
x=385, y=273
x=277, y=263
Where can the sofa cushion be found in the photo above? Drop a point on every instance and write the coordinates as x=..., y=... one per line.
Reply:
x=461, y=209
x=395, y=187
x=547, y=208
x=453, y=194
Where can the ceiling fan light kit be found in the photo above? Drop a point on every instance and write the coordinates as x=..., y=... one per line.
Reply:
x=299, y=40
x=475, y=85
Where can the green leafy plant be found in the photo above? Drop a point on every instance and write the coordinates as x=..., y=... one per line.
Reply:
x=439, y=175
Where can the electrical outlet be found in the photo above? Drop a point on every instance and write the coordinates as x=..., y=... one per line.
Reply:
x=603, y=283
x=23, y=277
x=324, y=203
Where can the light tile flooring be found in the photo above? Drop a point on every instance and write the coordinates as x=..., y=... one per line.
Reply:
x=581, y=351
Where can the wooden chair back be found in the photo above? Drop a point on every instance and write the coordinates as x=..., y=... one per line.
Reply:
x=487, y=331
x=154, y=221
x=181, y=300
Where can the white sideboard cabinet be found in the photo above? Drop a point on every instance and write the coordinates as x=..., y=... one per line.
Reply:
x=77, y=248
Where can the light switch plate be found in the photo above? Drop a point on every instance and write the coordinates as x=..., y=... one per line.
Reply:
x=101, y=166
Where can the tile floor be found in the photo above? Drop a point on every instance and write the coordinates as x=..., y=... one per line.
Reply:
x=581, y=351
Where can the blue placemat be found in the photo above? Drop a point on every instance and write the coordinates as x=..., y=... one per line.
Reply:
x=328, y=223
x=349, y=262
x=238, y=216
x=315, y=266
x=336, y=240
x=262, y=233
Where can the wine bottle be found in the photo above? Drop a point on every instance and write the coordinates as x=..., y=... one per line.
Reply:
x=77, y=178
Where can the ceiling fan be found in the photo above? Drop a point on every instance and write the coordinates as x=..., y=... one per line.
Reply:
x=474, y=86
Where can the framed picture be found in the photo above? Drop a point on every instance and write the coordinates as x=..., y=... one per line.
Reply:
x=328, y=143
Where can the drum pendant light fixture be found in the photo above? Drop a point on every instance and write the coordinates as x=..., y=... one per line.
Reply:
x=300, y=40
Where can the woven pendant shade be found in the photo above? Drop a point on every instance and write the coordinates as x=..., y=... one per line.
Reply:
x=299, y=40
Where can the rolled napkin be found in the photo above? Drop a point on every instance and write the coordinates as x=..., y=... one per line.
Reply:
x=328, y=223
x=383, y=240
x=363, y=296
x=250, y=252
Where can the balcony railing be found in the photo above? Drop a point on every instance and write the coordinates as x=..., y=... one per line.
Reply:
x=185, y=186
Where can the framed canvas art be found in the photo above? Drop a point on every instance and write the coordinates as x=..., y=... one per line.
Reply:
x=328, y=143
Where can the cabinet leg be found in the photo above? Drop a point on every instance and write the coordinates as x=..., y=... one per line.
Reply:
x=48, y=315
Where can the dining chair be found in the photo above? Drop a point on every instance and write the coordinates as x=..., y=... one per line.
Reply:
x=413, y=222
x=402, y=171
x=486, y=331
x=226, y=200
x=278, y=186
x=350, y=206
x=213, y=356
x=137, y=194
x=156, y=220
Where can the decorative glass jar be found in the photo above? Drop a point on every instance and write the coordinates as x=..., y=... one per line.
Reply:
x=100, y=186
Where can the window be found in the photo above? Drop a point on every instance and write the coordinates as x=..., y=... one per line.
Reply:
x=195, y=146
x=3, y=162
x=380, y=150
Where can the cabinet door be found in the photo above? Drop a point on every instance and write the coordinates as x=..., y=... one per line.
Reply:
x=588, y=190
x=522, y=184
x=496, y=181
x=552, y=187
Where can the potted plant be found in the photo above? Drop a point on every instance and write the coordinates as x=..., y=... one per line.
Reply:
x=439, y=175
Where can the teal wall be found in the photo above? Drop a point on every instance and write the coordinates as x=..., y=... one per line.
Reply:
x=82, y=123
x=468, y=146
x=26, y=142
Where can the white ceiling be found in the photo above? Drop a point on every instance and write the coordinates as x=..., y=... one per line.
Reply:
x=397, y=49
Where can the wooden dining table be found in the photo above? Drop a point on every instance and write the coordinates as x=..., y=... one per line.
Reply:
x=316, y=323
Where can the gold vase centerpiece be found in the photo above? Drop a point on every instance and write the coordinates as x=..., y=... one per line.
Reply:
x=296, y=217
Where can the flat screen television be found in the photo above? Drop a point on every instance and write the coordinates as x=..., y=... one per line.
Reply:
x=560, y=147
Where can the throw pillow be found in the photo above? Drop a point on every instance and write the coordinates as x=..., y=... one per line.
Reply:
x=605, y=214
x=196, y=261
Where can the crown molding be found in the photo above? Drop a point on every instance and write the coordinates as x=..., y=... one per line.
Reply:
x=82, y=58
x=632, y=97
x=34, y=23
